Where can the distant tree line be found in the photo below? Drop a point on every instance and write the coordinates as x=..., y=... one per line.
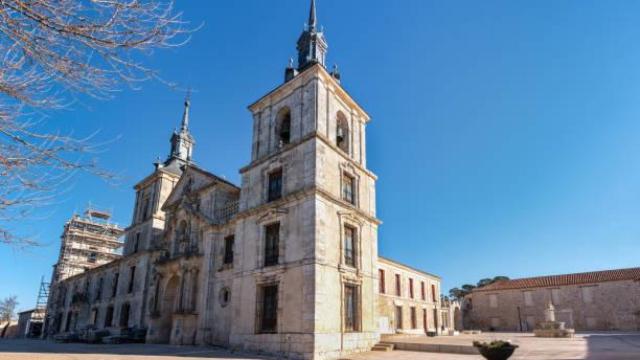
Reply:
x=466, y=289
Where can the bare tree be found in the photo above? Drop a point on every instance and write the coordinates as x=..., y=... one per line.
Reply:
x=52, y=52
x=8, y=308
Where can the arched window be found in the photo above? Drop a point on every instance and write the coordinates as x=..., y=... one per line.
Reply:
x=342, y=132
x=283, y=126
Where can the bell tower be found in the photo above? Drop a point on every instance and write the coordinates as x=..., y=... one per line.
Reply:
x=307, y=219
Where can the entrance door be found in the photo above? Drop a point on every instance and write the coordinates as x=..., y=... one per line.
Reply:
x=424, y=320
x=167, y=309
x=398, y=322
x=457, y=320
x=435, y=318
x=530, y=323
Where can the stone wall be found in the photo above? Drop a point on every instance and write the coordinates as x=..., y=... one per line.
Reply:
x=600, y=306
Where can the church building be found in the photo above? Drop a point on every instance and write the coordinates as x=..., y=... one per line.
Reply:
x=285, y=263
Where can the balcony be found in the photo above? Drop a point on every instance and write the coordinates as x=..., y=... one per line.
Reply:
x=224, y=214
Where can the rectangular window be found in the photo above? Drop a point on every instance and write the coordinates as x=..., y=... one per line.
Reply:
x=272, y=243
x=433, y=293
x=348, y=189
x=411, y=288
x=381, y=284
x=108, y=320
x=136, y=243
x=493, y=301
x=228, y=249
x=398, y=289
x=124, y=315
x=132, y=278
x=68, y=323
x=269, y=309
x=94, y=317
x=99, y=290
x=414, y=321
x=528, y=298
x=275, y=185
x=349, y=246
x=555, y=296
x=351, y=308
x=423, y=291
x=145, y=208
x=587, y=294
x=114, y=289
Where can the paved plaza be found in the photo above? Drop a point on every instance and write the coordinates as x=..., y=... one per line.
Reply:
x=622, y=346
x=596, y=346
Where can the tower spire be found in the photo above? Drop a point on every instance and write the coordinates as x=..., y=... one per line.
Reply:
x=312, y=16
x=312, y=47
x=181, y=141
x=185, y=115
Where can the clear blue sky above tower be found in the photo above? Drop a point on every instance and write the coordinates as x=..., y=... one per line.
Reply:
x=504, y=134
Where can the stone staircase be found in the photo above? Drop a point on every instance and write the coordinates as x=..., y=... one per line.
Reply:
x=383, y=346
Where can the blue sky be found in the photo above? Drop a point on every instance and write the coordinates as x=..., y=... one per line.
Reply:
x=505, y=134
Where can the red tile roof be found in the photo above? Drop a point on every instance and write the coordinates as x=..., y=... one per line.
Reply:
x=567, y=279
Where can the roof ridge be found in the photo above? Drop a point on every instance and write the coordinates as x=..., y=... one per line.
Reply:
x=597, y=276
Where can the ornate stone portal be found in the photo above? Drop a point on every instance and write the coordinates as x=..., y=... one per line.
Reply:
x=550, y=328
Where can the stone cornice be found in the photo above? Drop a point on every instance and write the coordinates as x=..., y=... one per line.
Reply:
x=406, y=267
x=301, y=194
x=316, y=71
x=156, y=216
x=281, y=268
x=156, y=174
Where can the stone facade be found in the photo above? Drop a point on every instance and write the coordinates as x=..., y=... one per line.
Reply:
x=605, y=300
x=287, y=263
x=408, y=300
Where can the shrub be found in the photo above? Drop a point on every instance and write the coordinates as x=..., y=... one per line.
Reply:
x=495, y=350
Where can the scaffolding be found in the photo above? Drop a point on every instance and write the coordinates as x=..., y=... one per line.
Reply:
x=41, y=301
x=88, y=241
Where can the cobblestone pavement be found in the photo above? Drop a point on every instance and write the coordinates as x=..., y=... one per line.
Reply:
x=624, y=346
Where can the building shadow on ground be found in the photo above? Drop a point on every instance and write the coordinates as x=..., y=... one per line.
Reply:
x=24, y=346
x=613, y=346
